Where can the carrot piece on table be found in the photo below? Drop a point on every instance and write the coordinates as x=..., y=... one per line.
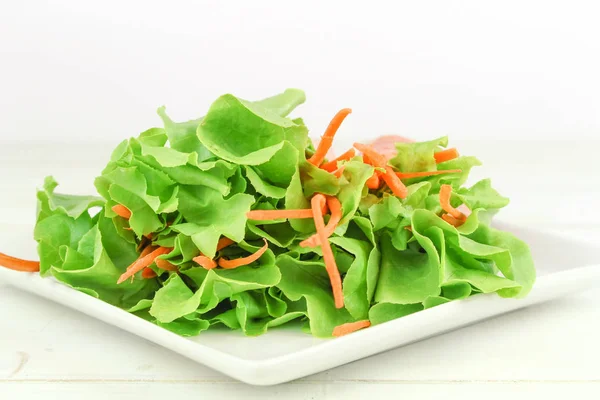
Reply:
x=336, y=215
x=332, y=165
x=327, y=139
x=224, y=242
x=238, y=262
x=142, y=263
x=265, y=215
x=121, y=211
x=205, y=262
x=19, y=264
x=330, y=265
x=410, y=175
x=445, y=155
x=338, y=172
x=350, y=327
x=164, y=264
x=148, y=273
x=390, y=177
x=373, y=182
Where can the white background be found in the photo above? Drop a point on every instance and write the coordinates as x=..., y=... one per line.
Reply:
x=516, y=83
x=79, y=70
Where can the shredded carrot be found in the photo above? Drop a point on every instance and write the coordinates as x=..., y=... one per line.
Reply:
x=164, y=264
x=142, y=263
x=205, y=262
x=410, y=175
x=238, y=262
x=121, y=211
x=332, y=270
x=19, y=264
x=390, y=178
x=408, y=228
x=264, y=215
x=445, y=195
x=374, y=182
x=224, y=242
x=147, y=250
x=453, y=221
x=338, y=172
x=445, y=155
x=148, y=273
x=332, y=165
x=336, y=215
x=350, y=327
x=327, y=139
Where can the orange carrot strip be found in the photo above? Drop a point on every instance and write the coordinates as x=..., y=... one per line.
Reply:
x=142, y=263
x=453, y=221
x=332, y=165
x=147, y=250
x=327, y=139
x=445, y=155
x=238, y=262
x=330, y=265
x=373, y=182
x=164, y=264
x=19, y=264
x=264, y=215
x=205, y=262
x=338, y=172
x=148, y=273
x=394, y=183
x=390, y=178
x=336, y=215
x=224, y=242
x=350, y=327
x=121, y=211
x=410, y=175
x=445, y=195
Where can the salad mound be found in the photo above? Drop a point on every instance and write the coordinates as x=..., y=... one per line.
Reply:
x=237, y=219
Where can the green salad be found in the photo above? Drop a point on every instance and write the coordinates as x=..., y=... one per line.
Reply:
x=238, y=219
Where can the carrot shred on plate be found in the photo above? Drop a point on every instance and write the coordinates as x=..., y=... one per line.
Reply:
x=445, y=195
x=19, y=264
x=148, y=273
x=390, y=177
x=336, y=215
x=142, y=263
x=374, y=182
x=238, y=262
x=332, y=270
x=350, y=327
x=410, y=175
x=205, y=262
x=327, y=139
x=445, y=155
x=332, y=165
x=121, y=211
x=164, y=264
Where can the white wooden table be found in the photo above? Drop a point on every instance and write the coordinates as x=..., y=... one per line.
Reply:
x=553, y=350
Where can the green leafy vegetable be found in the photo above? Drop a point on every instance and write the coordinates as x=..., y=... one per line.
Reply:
x=193, y=191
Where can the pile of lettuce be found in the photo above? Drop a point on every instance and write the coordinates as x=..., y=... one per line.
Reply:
x=188, y=184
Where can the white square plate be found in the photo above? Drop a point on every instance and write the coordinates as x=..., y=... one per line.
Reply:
x=564, y=266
